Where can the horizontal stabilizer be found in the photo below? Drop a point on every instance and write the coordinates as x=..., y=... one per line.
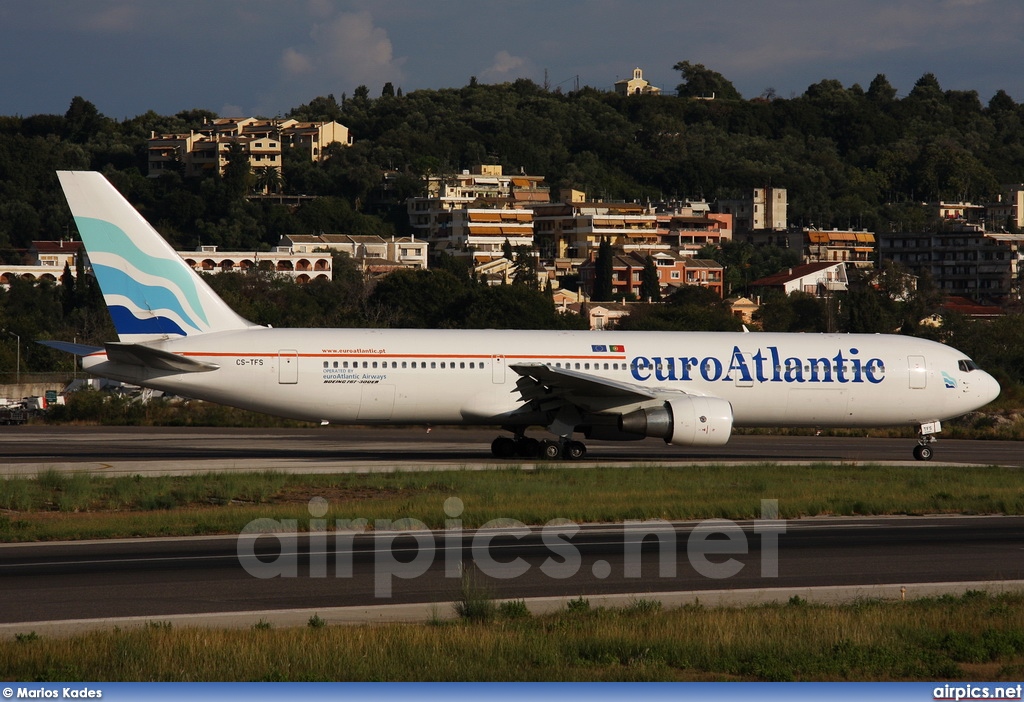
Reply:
x=148, y=357
x=68, y=347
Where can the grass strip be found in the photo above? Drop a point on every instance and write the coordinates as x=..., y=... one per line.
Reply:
x=56, y=505
x=974, y=636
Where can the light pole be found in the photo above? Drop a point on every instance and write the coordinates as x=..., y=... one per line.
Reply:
x=18, y=366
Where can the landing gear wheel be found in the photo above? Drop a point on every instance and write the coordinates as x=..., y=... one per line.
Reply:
x=923, y=452
x=503, y=447
x=550, y=450
x=527, y=448
x=575, y=450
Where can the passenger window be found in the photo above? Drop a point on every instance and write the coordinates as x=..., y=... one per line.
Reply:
x=433, y=364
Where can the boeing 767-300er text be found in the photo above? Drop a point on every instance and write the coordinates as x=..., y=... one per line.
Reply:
x=688, y=388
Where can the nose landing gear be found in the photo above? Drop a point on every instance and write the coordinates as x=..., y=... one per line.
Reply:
x=923, y=452
x=925, y=438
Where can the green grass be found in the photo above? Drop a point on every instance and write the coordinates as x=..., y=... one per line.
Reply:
x=56, y=505
x=974, y=636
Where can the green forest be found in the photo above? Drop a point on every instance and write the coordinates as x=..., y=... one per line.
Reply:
x=849, y=156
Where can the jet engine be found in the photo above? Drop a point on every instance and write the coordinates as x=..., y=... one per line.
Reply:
x=685, y=421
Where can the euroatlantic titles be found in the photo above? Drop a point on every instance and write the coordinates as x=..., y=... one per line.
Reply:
x=764, y=366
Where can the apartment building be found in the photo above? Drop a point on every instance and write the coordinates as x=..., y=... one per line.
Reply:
x=302, y=267
x=205, y=151
x=689, y=226
x=963, y=260
x=763, y=209
x=674, y=270
x=370, y=251
x=45, y=261
x=575, y=226
x=1007, y=212
x=478, y=207
x=482, y=233
x=852, y=246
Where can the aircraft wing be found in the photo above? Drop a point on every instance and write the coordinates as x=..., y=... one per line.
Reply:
x=549, y=387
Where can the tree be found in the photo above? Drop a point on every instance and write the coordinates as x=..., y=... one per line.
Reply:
x=268, y=179
x=700, y=81
x=237, y=171
x=881, y=90
x=690, y=308
x=69, y=299
x=525, y=270
x=82, y=120
x=604, y=267
x=650, y=285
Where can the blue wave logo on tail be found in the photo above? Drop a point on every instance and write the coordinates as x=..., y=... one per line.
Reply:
x=145, y=294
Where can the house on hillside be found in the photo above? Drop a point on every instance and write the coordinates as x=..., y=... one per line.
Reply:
x=818, y=279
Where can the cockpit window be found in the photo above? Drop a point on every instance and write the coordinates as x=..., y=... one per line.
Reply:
x=967, y=365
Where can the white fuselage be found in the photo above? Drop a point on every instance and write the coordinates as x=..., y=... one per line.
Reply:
x=466, y=377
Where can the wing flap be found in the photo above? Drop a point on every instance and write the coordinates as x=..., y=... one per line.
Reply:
x=568, y=385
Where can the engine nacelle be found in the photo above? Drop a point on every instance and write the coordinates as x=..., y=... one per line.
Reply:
x=684, y=421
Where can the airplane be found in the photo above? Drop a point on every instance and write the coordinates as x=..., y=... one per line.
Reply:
x=687, y=388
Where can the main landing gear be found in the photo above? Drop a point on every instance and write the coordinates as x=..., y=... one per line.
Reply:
x=925, y=438
x=525, y=447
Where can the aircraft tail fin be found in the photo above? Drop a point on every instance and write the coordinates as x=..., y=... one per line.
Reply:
x=151, y=293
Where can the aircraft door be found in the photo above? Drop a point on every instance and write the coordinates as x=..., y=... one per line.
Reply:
x=918, y=372
x=498, y=369
x=287, y=367
x=741, y=378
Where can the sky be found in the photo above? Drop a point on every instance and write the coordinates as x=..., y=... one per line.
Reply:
x=264, y=57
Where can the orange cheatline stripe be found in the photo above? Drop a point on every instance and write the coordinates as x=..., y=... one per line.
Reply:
x=219, y=354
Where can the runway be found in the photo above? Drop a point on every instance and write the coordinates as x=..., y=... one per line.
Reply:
x=92, y=584
x=154, y=451
x=153, y=578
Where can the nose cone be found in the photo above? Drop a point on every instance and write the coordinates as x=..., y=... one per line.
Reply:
x=985, y=387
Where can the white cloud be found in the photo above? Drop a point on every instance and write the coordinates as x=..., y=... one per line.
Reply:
x=296, y=63
x=505, y=67
x=348, y=48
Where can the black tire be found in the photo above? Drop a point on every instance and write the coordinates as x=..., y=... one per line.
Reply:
x=550, y=450
x=923, y=452
x=528, y=448
x=575, y=450
x=503, y=447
